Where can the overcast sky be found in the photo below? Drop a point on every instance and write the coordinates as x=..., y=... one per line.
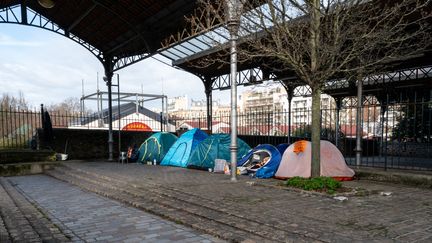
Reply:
x=48, y=68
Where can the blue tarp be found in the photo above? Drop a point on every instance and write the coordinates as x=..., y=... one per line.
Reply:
x=270, y=168
x=282, y=147
x=216, y=146
x=180, y=151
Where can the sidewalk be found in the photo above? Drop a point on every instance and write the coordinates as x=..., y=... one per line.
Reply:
x=257, y=211
x=22, y=221
x=87, y=217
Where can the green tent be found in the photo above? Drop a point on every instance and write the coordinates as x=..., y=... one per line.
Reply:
x=216, y=146
x=155, y=147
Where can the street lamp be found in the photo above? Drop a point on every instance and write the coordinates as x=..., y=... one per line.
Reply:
x=233, y=20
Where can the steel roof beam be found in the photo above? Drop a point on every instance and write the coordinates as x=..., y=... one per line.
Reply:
x=80, y=18
x=24, y=12
x=20, y=13
x=122, y=93
x=122, y=44
x=132, y=27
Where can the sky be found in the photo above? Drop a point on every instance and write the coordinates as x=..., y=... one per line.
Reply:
x=48, y=68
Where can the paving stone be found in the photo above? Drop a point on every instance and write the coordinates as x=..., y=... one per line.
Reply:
x=109, y=219
x=18, y=227
x=369, y=218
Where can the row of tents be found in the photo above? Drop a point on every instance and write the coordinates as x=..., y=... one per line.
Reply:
x=195, y=149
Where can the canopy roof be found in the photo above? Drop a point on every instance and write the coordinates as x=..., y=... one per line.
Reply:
x=120, y=33
x=207, y=56
x=115, y=28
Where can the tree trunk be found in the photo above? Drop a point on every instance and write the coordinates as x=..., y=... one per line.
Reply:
x=314, y=6
x=316, y=132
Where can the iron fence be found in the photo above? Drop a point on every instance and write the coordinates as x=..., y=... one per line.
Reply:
x=394, y=134
x=18, y=127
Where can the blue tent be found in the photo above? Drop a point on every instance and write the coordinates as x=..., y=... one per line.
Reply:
x=155, y=147
x=216, y=146
x=269, y=169
x=180, y=151
x=282, y=147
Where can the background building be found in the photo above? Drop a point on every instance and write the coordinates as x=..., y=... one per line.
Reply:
x=301, y=110
x=271, y=99
x=179, y=103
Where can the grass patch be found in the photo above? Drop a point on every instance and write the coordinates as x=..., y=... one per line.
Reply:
x=320, y=184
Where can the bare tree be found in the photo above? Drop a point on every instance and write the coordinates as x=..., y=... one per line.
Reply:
x=70, y=105
x=16, y=126
x=319, y=40
x=9, y=102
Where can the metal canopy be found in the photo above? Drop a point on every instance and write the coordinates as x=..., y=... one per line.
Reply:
x=255, y=71
x=189, y=54
x=124, y=32
x=118, y=33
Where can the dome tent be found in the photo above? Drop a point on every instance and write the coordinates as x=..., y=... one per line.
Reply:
x=268, y=169
x=296, y=161
x=156, y=146
x=181, y=150
x=216, y=146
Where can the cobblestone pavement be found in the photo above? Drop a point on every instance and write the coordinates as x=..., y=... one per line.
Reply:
x=21, y=221
x=87, y=217
x=405, y=216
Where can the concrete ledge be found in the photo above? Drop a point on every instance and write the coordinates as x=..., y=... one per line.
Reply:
x=8, y=156
x=412, y=178
x=20, y=169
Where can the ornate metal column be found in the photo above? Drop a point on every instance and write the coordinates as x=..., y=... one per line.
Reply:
x=108, y=66
x=208, y=92
x=383, y=109
x=233, y=20
x=359, y=130
x=290, y=93
x=337, y=128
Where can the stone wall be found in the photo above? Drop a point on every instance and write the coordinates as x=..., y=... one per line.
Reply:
x=8, y=156
x=89, y=144
x=20, y=169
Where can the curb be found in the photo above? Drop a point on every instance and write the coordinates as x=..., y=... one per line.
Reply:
x=20, y=169
x=417, y=180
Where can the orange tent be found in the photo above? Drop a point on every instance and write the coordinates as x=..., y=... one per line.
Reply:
x=296, y=161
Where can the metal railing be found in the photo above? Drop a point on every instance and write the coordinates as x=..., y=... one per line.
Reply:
x=394, y=135
x=18, y=127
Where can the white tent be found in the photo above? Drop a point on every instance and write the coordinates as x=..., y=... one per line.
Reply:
x=296, y=161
